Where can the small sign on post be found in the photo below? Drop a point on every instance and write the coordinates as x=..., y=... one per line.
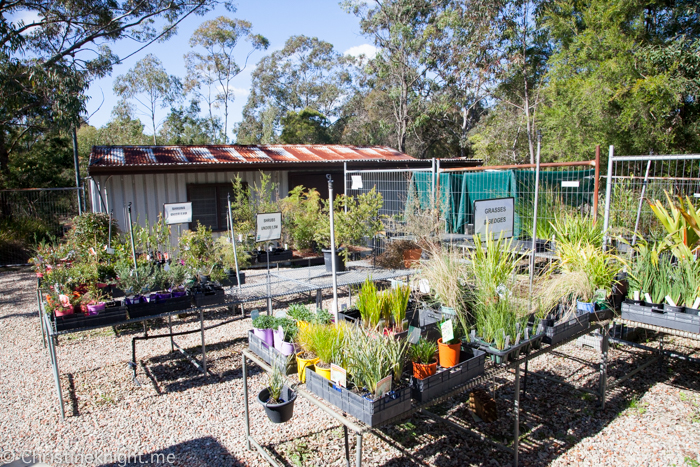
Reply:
x=269, y=227
x=494, y=216
x=177, y=213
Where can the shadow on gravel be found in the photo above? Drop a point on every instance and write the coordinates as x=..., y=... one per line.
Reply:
x=199, y=452
x=175, y=373
x=32, y=314
x=554, y=417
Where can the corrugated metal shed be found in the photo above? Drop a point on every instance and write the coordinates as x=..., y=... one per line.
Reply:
x=159, y=156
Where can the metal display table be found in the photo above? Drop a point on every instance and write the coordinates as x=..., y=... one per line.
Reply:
x=265, y=286
x=359, y=428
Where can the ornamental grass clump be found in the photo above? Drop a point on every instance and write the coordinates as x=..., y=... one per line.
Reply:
x=275, y=384
x=422, y=352
x=324, y=341
x=370, y=304
x=371, y=357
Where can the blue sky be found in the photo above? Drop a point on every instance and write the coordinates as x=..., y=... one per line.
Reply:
x=275, y=19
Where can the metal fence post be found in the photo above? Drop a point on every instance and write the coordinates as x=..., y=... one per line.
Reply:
x=608, y=192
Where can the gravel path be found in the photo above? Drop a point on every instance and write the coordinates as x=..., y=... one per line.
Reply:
x=653, y=419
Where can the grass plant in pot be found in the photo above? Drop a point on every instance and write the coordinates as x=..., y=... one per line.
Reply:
x=263, y=327
x=422, y=354
x=278, y=397
x=306, y=357
x=370, y=305
x=324, y=341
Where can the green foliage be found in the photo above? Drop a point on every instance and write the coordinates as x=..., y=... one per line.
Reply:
x=372, y=357
x=149, y=84
x=290, y=328
x=577, y=229
x=422, y=352
x=369, y=304
x=301, y=209
x=185, y=126
x=247, y=202
x=361, y=219
x=275, y=383
x=265, y=322
x=398, y=304
x=300, y=312
x=326, y=341
x=306, y=127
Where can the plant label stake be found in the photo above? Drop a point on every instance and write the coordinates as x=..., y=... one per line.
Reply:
x=338, y=376
x=383, y=386
x=413, y=335
x=233, y=241
x=647, y=297
x=447, y=331
x=131, y=235
x=254, y=314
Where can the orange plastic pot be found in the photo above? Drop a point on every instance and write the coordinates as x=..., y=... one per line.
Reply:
x=448, y=353
x=422, y=371
x=411, y=256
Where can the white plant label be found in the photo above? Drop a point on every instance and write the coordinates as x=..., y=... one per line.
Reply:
x=636, y=295
x=570, y=183
x=339, y=376
x=670, y=301
x=383, y=386
x=413, y=335
x=647, y=297
x=177, y=213
x=356, y=182
x=447, y=331
x=696, y=303
x=424, y=286
x=269, y=227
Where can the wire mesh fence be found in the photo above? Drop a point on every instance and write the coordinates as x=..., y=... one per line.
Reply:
x=429, y=202
x=29, y=216
x=636, y=181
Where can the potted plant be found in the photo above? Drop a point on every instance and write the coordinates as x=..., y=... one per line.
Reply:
x=448, y=352
x=284, y=336
x=370, y=304
x=325, y=342
x=263, y=327
x=300, y=313
x=306, y=357
x=277, y=398
x=360, y=220
x=92, y=302
x=398, y=305
x=422, y=354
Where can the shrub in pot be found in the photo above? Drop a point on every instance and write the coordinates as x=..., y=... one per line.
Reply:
x=422, y=354
x=263, y=327
x=277, y=398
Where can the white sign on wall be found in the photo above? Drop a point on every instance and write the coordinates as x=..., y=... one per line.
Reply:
x=495, y=216
x=269, y=227
x=177, y=213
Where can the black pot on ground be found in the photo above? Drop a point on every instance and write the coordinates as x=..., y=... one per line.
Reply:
x=339, y=263
x=279, y=413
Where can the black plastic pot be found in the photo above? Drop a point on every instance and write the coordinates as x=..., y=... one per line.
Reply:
x=692, y=311
x=279, y=413
x=339, y=263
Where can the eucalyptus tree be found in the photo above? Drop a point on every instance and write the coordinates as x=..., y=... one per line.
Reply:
x=306, y=73
x=149, y=84
x=51, y=50
x=209, y=74
x=399, y=29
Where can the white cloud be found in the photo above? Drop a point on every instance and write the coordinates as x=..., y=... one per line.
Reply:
x=368, y=50
x=238, y=92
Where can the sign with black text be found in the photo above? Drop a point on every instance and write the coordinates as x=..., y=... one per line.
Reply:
x=269, y=227
x=177, y=213
x=494, y=216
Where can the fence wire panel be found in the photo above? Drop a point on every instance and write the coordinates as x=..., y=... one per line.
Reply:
x=635, y=181
x=407, y=197
x=562, y=191
x=30, y=216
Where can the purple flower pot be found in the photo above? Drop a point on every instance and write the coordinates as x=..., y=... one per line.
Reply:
x=135, y=299
x=95, y=309
x=285, y=348
x=265, y=335
x=160, y=297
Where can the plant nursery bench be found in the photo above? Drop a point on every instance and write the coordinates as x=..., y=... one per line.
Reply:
x=462, y=387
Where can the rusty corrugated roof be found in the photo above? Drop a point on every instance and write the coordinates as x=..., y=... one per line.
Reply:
x=140, y=156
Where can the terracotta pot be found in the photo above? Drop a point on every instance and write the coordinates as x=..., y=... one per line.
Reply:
x=411, y=256
x=422, y=371
x=448, y=353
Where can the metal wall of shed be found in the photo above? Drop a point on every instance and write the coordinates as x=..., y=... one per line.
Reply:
x=148, y=192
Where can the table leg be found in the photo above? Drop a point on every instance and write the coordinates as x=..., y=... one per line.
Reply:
x=170, y=328
x=245, y=402
x=358, y=450
x=516, y=409
x=347, y=446
x=57, y=380
x=204, y=348
x=603, y=382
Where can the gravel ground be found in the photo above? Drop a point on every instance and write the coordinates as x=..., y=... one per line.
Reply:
x=652, y=419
